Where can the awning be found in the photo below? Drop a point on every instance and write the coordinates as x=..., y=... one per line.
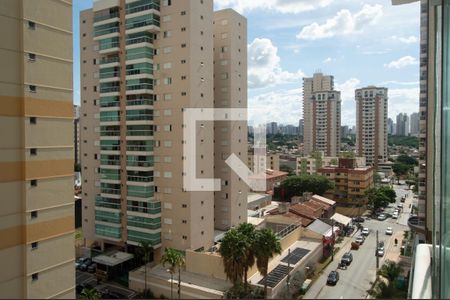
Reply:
x=341, y=219
x=112, y=259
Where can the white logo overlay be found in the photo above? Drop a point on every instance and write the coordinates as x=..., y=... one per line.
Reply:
x=192, y=131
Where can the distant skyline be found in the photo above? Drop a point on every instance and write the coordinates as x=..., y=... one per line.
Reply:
x=359, y=42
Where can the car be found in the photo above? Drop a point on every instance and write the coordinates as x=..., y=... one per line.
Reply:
x=347, y=259
x=79, y=262
x=333, y=278
x=92, y=268
x=86, y=264
x=382, y=217
x=403, y=199
x=380, y=252
x=365, y=231
x=360, y=240
x=394, y=216
x=389, y=231
x=400, y=205
x=358, y=220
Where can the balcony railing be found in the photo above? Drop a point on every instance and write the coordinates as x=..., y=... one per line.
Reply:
x=145, y=164
x=106, y=17
x=107, y=162
x=108, y=60
x=140, y=178
x=138, y=40
x=110, y=191
x=143, y=7
x=140, y=102
x=110, y=89
x=139, y=87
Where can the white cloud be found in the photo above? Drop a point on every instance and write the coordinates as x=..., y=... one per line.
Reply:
x=406, y=40
x=264, y=65
x=403, y=101
x=284, y=107
x=327, y=60
x=402, y=62
x=343, y=23
x=282, y=6
x=347, y=89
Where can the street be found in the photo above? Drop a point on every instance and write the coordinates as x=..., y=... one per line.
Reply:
x=357, y=278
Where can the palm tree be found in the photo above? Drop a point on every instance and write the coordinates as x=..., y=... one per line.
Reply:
x=390, y=270
x=175, y=260
x=249, y=233
x=145, y=251
x=233, y=252
x=91, y=294
x=266, y=246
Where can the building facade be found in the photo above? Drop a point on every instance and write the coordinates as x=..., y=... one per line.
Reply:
x=151, y=61
x=322, y=115
x=76, y=133
x=414, y=126
x=402, y=124
x=371, y=124
x=310, y=165
x=36, y=150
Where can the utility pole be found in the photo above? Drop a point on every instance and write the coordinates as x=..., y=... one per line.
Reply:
x=376, y=253
x=332, y=240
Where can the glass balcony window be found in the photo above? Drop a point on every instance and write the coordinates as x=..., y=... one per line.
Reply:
x=106, y=14
x=109, y=43
x=109, y=116
x=139, y=176
x=140, y=191
x=112, y=101
x=106, y=29
x=140, y=114
x=136, y=53
x=108, y=231
x=142, y=21
x=146, y=146
x=106, y=216
x=110, y=59
x=142, y=5
x=109, y=72
x=136, y=69
x=137, y=236
x=108, y=174
x=107, y=202
x=144, y=207
x=110, y=160
x=140, y=37
x=109, y=145
x=109, y=87
x=149, y=223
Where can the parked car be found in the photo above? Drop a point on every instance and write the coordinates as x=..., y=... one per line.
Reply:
x=360, y=240
x=380, y=252
x=382, y=217
x=79, y=262
x=86, y=264
x=400, y=205
x=394, y=215
x=403, y=199
x=365, y=231
x=389, y=231
x=347, y=259
x=92, y=268
x=333, y=278
x=358, y=220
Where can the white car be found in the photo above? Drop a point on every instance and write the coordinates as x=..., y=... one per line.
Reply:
x=365, y=231
x=389, y=231
x=395, y=216
x=380, y=252
x=381, y=217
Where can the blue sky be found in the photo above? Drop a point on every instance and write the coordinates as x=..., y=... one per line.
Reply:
x=361, y=43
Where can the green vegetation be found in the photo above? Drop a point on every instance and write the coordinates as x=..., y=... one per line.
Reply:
x=349, y=139
x=409, y=141
x=145, y=252
x=278, y=140
x=388, y=284
x=297, y=185
x=240, y=248
x=403, y=165
x=91, y=294
x=380, y=196
x=287, y=169
x=175, y=260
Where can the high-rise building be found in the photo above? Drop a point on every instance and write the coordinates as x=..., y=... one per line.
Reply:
x=402, y=124
x=301, y=127
x=414, y=124
x=322, y=115
x=371, y=124
x=76, y=133
x=145, y=64
x=36, y=150
x=344, y=131
x=390, y=126
x=272, y=128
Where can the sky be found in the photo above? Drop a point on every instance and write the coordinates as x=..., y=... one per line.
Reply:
x=359, y=42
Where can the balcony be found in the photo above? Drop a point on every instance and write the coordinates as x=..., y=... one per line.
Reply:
x=139, y=6
x=148, y=23
x=107, y=202
x=109, y=45
x=417, y=224
x=107, y=162
x=107, y=62
x=152, y=208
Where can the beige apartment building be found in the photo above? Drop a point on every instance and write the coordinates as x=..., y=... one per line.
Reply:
x=260, y=163
x=36, y=150
x=322, y=115
x=310, y=165
x=144, y=63
x=371, y=124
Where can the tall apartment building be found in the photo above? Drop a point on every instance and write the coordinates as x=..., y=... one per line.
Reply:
x=36, y=150
x=76, y=133
x=230, y=91
x=322, y=115
x=301, y=127
x=390, y=126
x=402, y=124
x=371, y=124
x=414, y=124
x=146, y=62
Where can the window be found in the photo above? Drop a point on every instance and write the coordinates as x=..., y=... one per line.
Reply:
x=183, y=93
x=34, y=245
x=31, y=25
x=224, y=62
x=167, y=97
x=34, y=214
x=32, y=120
x=184, y=221
x=167, y=18
x=184, y=237
x=183, y=61
x=167, y=50
x=167, y=144
x=33, y=182
x=167, y=65
x=31, y=57
x=183, y=13
x=183, y=77
x=183, y=29
x=33, y=151
x=32, y=88
x=167, y=174
x=184, y=205
x=167, y=80
x=167, y=2
x=183, y=45
x=167, y=34
x=34, y=276
x=167, y=112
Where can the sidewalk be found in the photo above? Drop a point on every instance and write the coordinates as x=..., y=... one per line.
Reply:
x=393, y=252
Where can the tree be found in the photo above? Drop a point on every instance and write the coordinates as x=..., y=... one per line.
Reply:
x=379, y=197
x=175, y=260
x=266, y=246
x=248, y=232
x=145, y=252
x=390, y=270
x=407, y=160
x=287, y=169
x=388, y=192
x=233, y=250
x=91, y=294
x=400, y=169
x=297, y=185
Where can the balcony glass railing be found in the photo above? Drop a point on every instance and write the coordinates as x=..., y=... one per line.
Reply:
x=109, y=60
x=141, y=222
x=106, y=216
x=140, y=87
x=109, y=145
x=109, y=74
x=109, y=43
x=142, y=21
x=107, y=202
x=102, y=17
x=137, y=236
x=110, y=191
x=144, y=164
x=107, y=162
x=140, y=102
x=108, y=231
x=141, y=5
x=105, y=29
x=144, y=207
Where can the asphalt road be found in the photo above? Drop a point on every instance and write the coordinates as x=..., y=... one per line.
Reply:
x=356, y=279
